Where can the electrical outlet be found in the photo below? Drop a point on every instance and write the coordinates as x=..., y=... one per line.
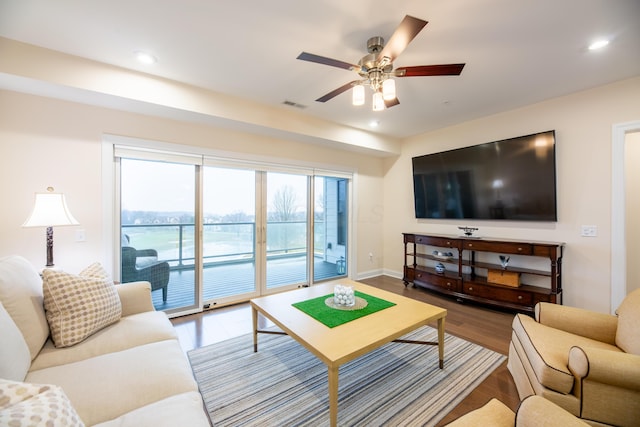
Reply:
x=370, y=256
x=80, y=236
x=589, y=231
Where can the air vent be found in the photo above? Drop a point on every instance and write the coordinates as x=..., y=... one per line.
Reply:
x=294, y=104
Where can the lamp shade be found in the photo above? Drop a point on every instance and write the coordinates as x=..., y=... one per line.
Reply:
x=378, y=101
x=358, y=95
x=50, y=209
x=389, y=89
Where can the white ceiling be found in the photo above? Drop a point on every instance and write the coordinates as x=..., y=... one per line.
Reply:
x=516, y=52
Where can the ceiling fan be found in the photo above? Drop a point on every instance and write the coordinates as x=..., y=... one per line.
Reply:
x=376, y=68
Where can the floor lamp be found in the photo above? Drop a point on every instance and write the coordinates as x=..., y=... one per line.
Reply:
x=50, y=209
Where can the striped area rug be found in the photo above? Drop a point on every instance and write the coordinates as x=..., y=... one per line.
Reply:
x=285, y=385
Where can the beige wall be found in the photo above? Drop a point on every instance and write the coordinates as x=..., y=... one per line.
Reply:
x=583, y=124
x=46, y=142
x=632, y=205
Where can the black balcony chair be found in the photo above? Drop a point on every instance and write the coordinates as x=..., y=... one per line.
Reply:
x=143, y=264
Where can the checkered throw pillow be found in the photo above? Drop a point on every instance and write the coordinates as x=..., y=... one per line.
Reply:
x=35, y=405
x=76, y=306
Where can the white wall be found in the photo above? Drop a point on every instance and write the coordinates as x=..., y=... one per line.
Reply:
x=46, y=142
x=632, y=206
x=582, y=122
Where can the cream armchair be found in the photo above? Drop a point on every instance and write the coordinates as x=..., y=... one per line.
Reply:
x=533, y=411
x=585, y=362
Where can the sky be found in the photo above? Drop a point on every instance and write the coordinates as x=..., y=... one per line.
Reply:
x=169, y=187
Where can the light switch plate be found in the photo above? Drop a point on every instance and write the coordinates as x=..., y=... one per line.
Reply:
x=589, y=231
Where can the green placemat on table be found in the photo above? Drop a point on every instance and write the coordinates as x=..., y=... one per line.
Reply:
x=333, y=317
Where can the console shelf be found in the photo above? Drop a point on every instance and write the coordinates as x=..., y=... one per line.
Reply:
x=465, y=277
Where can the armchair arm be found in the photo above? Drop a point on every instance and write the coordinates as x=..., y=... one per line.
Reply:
x=135, y=297
x=607, y=384
x=578, y=321
x=609, y=367
x=536, y=411
x=146, y=253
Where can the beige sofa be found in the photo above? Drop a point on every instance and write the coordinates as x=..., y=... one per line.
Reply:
x=131, y=372
x=585, y=362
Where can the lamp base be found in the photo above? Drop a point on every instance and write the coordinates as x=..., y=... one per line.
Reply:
x=49, y=247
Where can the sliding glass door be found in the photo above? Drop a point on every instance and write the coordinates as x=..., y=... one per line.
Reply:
x=229, y=234
x=330, y=227
x=286, y=237
x=211, y=232
x=157, y=235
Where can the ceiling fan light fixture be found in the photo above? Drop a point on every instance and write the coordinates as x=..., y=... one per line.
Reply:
x=376, y=68
x=378, y=101
x=358, y=95
x=389, y=89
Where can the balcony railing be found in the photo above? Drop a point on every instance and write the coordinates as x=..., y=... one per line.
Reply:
x=229, y=257
x=226, y=242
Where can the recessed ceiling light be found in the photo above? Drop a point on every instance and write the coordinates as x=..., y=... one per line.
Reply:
x=598, y=44
x=145, y=58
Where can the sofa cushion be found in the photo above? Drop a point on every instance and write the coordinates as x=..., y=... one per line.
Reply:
x=106, y=387
x=628, y=332
x=547, y=350
x=34, y=405
x=77, y=306
x=14, y=352
x=185, y=409
x=21, y=295
x=130, y=331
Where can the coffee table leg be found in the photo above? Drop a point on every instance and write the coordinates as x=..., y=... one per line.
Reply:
x=333, y=395
x=254, y=319
x=441, y=341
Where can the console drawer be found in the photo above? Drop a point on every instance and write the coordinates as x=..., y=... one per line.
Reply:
x=515, y=296
x=441, y=281
x=436, y=241
x=499, y=247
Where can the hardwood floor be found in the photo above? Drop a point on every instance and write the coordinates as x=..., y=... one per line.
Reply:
x=481, y=325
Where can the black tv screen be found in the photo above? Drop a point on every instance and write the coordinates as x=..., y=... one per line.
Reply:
x=512, y=179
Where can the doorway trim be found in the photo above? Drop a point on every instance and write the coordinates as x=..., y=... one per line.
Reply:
x=618, y=215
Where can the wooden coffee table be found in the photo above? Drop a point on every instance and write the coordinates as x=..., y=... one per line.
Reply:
x=336, y=346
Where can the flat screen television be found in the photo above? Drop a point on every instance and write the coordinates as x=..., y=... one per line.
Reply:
x=512, y=179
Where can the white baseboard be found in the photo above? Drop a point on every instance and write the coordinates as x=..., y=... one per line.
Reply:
x=369, y=274
x=379, y=272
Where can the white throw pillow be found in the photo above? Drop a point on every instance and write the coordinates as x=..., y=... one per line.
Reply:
x=25, y=404
x=15, y=358
x=21, y=296
x=77, y=306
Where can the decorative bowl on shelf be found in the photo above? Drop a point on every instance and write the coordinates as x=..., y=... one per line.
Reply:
x=443, y=255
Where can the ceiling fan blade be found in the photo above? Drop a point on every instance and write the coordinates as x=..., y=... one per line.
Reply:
x=430, y=70
x=304, y=56
x=406, y=31
x=391, y=103
x=337, y=92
